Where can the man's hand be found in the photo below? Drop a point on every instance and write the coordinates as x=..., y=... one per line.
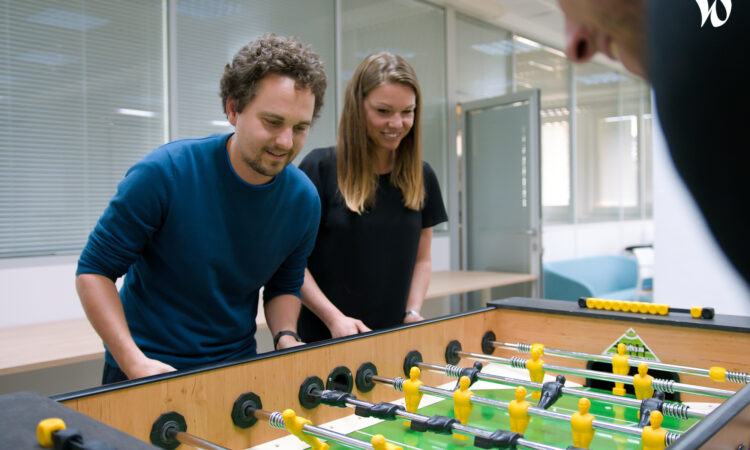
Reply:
x=345, y=326
x=146, y=367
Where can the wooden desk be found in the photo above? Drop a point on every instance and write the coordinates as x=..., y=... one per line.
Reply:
x=39, y=346
x=449, y=282
x=53, y=344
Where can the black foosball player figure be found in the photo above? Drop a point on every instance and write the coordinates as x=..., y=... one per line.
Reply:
x=53, y=433
x=551, y=391
x=648, y=406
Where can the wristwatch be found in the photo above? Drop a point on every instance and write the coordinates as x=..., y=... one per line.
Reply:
x=285, y=333
x=411, y=312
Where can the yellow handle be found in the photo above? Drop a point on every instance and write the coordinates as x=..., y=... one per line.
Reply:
x=45, y=429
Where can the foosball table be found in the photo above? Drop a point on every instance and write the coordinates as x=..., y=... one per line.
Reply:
x=522, y=372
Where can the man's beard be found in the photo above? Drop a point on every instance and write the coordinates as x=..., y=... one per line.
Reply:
x=257, y=164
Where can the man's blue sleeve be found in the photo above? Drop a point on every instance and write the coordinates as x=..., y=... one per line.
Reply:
x=289, y=277
x=133, y=215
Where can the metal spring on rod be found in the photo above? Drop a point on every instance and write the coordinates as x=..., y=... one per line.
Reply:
x=670, y=438
x=663, y=385
x=677, y=410
x=453, y=371
x=737, y=377
x=276, y=420
x=518, y=363
x=523, y=348
x=398, y=384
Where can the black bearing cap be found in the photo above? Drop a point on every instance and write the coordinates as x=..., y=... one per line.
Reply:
x=412, y=359
x=451, y=352
x=165, y=428
x=364, y=375
x=308, y=387
x=243, y=410
x=340, y=379
x=487, y=347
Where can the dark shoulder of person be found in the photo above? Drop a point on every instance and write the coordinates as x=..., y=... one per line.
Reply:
x=318, y=163
x=696, y=65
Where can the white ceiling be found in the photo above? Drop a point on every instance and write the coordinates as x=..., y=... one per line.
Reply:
x=540, y=20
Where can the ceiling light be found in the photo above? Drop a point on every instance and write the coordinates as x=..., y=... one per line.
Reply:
x=135, y=112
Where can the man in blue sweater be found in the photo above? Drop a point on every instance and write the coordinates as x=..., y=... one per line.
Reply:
x=200, y=225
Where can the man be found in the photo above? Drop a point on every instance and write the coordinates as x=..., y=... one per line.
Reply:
x=200, y=225
x=692, y=51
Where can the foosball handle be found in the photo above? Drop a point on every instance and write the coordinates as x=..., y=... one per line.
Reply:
x=695, y=312
x=52, y=432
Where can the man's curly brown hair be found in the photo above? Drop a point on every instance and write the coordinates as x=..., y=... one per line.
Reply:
x=268, y=54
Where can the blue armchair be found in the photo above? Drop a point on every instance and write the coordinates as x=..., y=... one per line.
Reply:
x=607, y=276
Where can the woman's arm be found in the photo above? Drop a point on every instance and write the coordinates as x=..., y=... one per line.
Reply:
x=315, y=300
x=420, y=279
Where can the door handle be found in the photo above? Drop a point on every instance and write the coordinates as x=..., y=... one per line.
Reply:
x=527, y=232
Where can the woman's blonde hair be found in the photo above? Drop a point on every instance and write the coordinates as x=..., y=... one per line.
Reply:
x=357, y=181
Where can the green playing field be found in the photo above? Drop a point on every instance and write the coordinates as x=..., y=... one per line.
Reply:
x=540, y=429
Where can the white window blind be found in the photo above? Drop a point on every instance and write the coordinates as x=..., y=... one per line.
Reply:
x=81, y=100
x=209, y=32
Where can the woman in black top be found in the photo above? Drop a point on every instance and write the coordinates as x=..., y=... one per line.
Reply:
x=371, y=264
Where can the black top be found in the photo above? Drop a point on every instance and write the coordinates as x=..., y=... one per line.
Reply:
x=700, y=80
x=364, y=263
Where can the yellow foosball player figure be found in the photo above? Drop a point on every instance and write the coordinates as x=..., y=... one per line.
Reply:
x=295, y=424
x=653, y=435
x=536, y=371
x=620, y=366
x=462, y=405
x=581, y=423
x=518, y=411
x=642, y=383
x=412, y=395
x=379, y=443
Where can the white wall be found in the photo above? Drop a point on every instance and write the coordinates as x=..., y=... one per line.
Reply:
x=39, y=290
x=690, y=269
x=568, y=241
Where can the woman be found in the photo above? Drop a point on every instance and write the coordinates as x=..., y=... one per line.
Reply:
x=371, y=264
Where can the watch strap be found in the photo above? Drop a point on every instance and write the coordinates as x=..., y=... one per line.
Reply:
x=285, y=333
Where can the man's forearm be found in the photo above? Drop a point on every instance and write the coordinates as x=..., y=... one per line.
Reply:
x=282, y=313
x=103, y=307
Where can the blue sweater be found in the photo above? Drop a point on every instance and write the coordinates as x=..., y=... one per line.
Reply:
x=197, y=244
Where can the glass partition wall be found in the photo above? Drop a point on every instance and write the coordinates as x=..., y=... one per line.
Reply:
x=87, y=87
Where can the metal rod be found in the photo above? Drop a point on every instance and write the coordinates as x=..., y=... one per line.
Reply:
x=532, y=410
x=671, y=409
x=338, y=437
x=193, y=441
x=276, y=420
x=633, y=361
x=462, y=429
x=667, y=386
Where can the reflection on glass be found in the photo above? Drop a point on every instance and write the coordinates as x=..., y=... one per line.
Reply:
x=415, y=31
x=609, y=107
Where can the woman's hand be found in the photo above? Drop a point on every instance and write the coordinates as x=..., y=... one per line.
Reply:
x=412, y=317
x=346, y=326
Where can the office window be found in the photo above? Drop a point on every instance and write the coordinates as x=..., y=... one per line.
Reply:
x=415, y=31
x=609, y=108
x=81, y=100
x=483, y=60
x=210, y=33
x=547, y=69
